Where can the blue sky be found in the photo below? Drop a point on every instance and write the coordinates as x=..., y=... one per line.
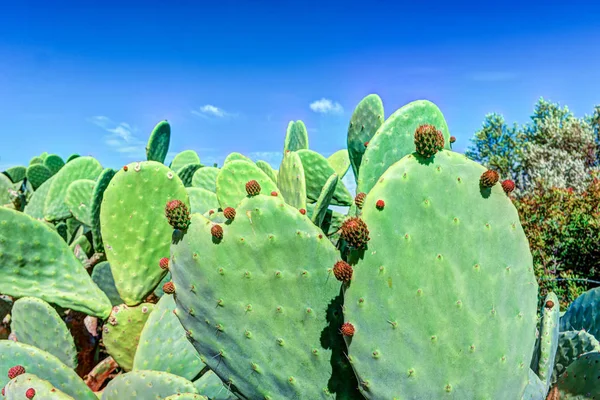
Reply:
x=95, y=78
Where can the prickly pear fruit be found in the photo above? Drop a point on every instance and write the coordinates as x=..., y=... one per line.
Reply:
x=428, y=140
x=489, y=178
x=355, y=232
x=178, y=215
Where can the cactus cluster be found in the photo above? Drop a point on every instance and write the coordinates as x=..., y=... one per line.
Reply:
x=186, y=281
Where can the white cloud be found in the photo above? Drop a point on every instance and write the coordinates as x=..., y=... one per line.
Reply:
x=325, y=106
x=121, y=137
x=209, y=110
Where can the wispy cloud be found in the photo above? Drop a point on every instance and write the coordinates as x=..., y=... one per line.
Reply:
x=326, y=106
x=121, y=137
x=210, y=111
x=492, y=76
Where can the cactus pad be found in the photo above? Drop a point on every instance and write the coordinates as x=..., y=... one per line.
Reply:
x=29, y=386
x=38, y=174
x=296, y=137
x=365, y=121
x=16, y=174
x=317, y=170
x=201, y=200
x=103, y=277
x=184, y=158
x=158, y=143
x=232, y=180
x=97, y=197
x=291, y=180
x=322, y=205
x=581, y=379
x=54, y=163
x=267, y=169
x=572, y=344
x=146, y=385
x=583, y=313
x=79, y=200
x=206, y=178
x=340, y=162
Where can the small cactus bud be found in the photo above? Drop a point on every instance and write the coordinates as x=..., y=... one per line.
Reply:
x=452, y=139
x=302, y=211
x=125, y=168
x=178, y=215
x=274, y=193
x=428, y=140
x=508, y=186
x=355, y=232
x=164, y=263
x=15, y=371
x=489, y=178
x=169, y=288
x=229, y=213
x=30, y=393
x=347, y=329
x=252, y=188
x=211, y=212
x=549, y=304
x=359, y=200
x=380, y=204
x=342, y=271
x=217, y=232
x=366, y=144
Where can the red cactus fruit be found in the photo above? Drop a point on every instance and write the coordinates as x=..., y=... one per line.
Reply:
x=274, y=193
x=355, y=232
x=549, y=304
x=125, y=168
x=169, y=288
x=452, y=139
x=347, y=329
x=15, y=371
x=508, y=186
x=229, y=213
x=489, y=178
x=428, y=140
x=30, y=393
x=380, y=204
x=252, y=188
x=366, y=144
x=302, y=211
x=342, y=271
x=178, y=215
x=217, y=231
x=211, y=212
x=359, y=200
x=2, y=392
x=164, y=263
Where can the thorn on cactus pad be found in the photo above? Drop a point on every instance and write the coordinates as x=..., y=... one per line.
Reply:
x=489, y=178
x=428, y=140
x=342, y=271
x=359, y=200
x=169, y=288
x=217, y=232
x=252, y=188
x=508, y=186
x=229, y=213
x=15, y=371
x=380, y=204
x=302, y=211
x=347, y=329
x=30, y=393
x=164, y=263
x=355, y=232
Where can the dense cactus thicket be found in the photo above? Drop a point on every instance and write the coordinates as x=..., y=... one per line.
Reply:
x=186, y=281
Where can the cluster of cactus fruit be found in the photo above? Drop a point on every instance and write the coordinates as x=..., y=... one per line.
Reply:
x=243, y=282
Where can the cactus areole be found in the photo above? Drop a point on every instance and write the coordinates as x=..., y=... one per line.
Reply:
x=355, y=232
x=428, y=140
x=178, y=215
x=252, y=188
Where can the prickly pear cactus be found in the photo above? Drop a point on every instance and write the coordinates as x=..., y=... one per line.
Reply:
x=244, y=298
x=35, y=205
x=37, y=174
x=442, y=288
x=24, y=384
x=322, y=204
x=206, y=178
x=232, y=180
x=366, y=119
x=146, y=385
x=296, y=137
x=235, y=156
x=5, y=187
x=547, y=344
x=317, y=170
x=79, y=200
x=36, y=323
x=121, y=333
x=583, y=313
x=340, y=162
x=201, y=200
x=580, y=380
x=97, y=197
x=187, y=173
x=211, y=386
x=572, y=344
x=158, y=143
x=184, y=158
x=135, y=232
x=103, y=277
x=291, y=180
x=35, y=261
x=16, y=174
x=267, y=169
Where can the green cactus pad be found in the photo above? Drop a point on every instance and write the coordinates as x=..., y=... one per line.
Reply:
x=206, y=178
x=79, y=200
x=217, y=216
x=184, y=158
x=35, y=261
x=232, y=179
x=163, y=345
x=291, y=180
x=547, y=343
x=572, y=344
x=37, y=174
x=54, y=163
x=16, y=174
x=236, y=157
x=201, y=200
x=395, y=139
x=146, y=385
x=267, y=169
x=17, y=388
x=212, y=387
x=97, y=197
x=103, y=277
x=55, y=207
x=36, y=323
x=580, y=380
x=366, y=119
x=135, y=231
x=317, y=170
x=445, y=289
x=187, y=396
x=158, y=143
x=5, y=187
x=187, y=173
x=261, y=306
x=340, y=162
x=44, y=365
x=535, y=389
x=35, y=205
x=121, y=332
x=36, y=160
x=583, y=313
x=72, y=157
x=322, y=204
x=296, y=137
